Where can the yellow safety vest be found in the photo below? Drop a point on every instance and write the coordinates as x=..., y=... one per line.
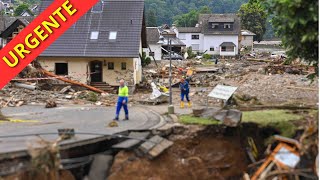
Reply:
x=123, y=91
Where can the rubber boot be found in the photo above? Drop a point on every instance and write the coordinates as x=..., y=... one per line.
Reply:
x=189, y=104
x=181, y=104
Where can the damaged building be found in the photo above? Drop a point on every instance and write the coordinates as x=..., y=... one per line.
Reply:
x=102, y=47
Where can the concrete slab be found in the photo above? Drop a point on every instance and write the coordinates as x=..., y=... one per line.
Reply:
x=130, y=143
x=159, y=148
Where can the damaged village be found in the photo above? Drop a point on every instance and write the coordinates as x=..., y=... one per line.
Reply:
x=166, y=90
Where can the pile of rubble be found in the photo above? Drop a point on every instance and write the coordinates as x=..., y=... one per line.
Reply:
x=11, y=96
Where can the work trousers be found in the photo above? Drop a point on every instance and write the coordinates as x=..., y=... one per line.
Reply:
x=185, y=93
x=120, y=105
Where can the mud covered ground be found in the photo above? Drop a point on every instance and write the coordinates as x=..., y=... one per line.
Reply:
x=207, y=154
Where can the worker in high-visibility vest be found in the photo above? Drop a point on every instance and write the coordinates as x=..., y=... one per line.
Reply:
x=122, y=100
x=184, y=88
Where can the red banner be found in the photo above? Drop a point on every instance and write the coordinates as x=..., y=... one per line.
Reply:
x=39, y=35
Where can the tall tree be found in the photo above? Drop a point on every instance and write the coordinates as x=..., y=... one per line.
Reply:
x=151, y=19
x=190, y=19
x=296, y=22
x=253, y=18
x=22, y=7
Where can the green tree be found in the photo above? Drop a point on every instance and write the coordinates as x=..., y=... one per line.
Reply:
x=190, y=19
x=253, y=18
x=22, y=7
x=296, y=22
x=151, y=19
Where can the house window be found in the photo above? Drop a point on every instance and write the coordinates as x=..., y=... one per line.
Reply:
x=195, y=37
x=110, y=66
x=113, y=35
x=123, y=66
x=227, y=48
x=195, y=47
x=94, y=35
x=61, y=68
x=227, y=26
x=211, y=48
x=215, y=26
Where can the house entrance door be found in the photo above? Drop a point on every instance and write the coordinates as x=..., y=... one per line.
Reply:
x=96, y=71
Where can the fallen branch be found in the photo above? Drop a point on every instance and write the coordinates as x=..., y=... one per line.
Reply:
x=301, y=88
x=72, y=82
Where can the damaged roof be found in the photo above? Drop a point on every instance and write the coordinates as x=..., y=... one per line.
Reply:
x=153, y=35
x=112, y=28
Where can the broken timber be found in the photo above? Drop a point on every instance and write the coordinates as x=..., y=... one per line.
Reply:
x=72, y=82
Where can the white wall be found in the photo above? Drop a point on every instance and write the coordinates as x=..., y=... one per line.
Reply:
x=207, y=41
x=156, y=48
x=216, y=40
x=188, y=41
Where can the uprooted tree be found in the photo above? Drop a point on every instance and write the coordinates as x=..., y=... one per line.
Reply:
x=296, y=22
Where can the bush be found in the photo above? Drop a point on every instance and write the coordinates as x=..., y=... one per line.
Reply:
x=207, y=56
x=190, y=53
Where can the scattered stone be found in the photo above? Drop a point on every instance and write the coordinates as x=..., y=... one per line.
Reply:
x=233, y=118
x=98, y=103
x=19, y=103
x=68, y=96
x=51, y=104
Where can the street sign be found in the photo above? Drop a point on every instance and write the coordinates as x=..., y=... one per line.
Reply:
x=222, y=92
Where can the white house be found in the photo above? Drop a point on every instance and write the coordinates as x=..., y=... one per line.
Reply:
x=247, y=38
x=157, y=50
x=216, y=34
x=154, y=48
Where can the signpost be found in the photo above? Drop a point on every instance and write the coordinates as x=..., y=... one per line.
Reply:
x=222, y=92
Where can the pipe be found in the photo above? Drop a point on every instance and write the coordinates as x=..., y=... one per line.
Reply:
x=26, y=86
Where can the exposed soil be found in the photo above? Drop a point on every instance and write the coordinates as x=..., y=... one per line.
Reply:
x=214, y=153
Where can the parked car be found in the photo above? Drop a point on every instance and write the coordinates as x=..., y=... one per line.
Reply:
x=174, y=56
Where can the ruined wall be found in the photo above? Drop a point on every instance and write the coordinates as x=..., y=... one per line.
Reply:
x=79, y=67
x=247, y=41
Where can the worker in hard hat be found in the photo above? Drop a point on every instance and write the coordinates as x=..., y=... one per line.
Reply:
x=184, y=88
x=122, y=100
